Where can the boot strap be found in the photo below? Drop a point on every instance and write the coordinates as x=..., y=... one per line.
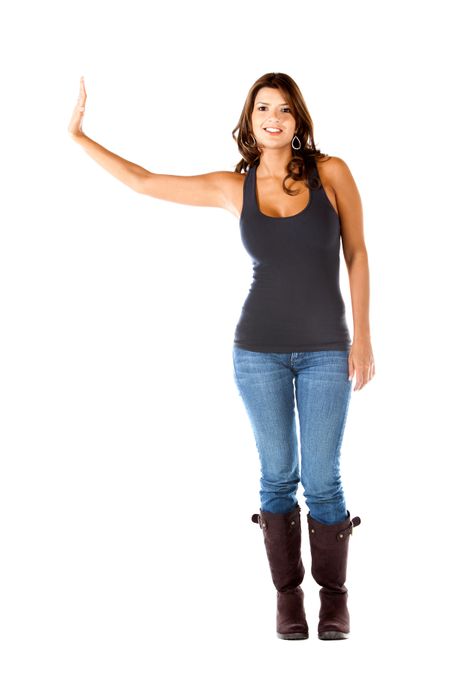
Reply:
x=348, y=530
x=256, y=518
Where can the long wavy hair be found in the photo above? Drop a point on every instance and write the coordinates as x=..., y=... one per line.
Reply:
x=302, y=160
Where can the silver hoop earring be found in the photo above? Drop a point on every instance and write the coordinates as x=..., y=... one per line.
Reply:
x=296, y=148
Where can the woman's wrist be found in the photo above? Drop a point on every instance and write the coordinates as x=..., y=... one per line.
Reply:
x=77, y=136
x=361, y=335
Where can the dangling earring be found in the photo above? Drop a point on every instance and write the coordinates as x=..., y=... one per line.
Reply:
x=296, y=148
x=254, y=140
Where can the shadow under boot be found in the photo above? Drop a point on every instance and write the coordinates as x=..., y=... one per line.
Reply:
x=329, y=553
x=282, y=539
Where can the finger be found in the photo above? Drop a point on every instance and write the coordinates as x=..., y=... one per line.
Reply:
x=364, y=374
x=365, y=377
x=81, y=101
x=82, y=94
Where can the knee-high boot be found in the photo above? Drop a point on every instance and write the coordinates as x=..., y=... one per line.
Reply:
x=282, y=539
x=329, y=553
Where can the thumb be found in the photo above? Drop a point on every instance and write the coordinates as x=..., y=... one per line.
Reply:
x=350, y=371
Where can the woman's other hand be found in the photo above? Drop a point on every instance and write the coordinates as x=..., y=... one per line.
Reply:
x=361, y=363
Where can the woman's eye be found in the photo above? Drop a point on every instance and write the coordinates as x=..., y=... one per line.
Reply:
x=284, y=109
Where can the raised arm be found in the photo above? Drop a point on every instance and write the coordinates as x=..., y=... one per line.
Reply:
x=215, y=189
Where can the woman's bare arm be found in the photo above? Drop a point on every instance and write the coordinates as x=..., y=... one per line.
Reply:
x=209, y=190
x=124, y=170
x=361, y=360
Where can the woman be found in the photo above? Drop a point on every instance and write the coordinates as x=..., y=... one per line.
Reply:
x=294, y=204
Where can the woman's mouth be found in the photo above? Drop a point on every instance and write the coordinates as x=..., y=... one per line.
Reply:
x=272, y=130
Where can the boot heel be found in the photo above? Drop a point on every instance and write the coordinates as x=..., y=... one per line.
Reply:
x=333, y=635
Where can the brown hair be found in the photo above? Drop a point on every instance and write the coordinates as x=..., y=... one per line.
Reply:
x=300, y=165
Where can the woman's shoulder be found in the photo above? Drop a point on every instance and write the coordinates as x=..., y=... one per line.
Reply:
x=331, y=164
x=332, y=170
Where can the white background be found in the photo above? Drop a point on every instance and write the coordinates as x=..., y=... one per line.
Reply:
x=128, y=467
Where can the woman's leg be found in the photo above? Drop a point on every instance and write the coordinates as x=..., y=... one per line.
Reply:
x=323, y=395
x=265, y=383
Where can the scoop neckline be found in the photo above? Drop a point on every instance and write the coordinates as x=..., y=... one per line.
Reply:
x=267, y=216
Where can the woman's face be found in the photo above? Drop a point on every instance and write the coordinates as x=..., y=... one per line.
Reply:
x=271, y=110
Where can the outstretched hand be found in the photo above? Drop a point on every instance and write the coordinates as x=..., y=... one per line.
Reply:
x=78, y=112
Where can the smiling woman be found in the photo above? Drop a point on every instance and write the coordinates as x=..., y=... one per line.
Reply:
x=292, y=344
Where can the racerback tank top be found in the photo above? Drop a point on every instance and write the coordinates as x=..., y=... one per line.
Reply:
x=294, y=302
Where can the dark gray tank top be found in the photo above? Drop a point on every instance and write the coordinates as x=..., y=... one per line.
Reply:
x=294, y=302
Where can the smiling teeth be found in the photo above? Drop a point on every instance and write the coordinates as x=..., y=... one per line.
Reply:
x=272, y=129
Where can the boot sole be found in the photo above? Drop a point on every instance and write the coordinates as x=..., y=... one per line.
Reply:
x=333, y=635
x=293, y=636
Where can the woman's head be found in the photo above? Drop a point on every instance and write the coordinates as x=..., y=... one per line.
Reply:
x=271, y=111
x=275, y=100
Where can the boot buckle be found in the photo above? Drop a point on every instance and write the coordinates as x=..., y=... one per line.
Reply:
x=348, y=530
x=256, y=518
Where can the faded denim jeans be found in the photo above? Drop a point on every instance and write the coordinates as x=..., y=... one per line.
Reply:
x=317, y=381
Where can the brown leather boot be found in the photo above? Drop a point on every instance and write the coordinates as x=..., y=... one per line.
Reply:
x=329, y=551
x=282, y=539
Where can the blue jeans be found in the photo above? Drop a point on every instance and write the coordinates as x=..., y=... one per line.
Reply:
x=322, y=392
